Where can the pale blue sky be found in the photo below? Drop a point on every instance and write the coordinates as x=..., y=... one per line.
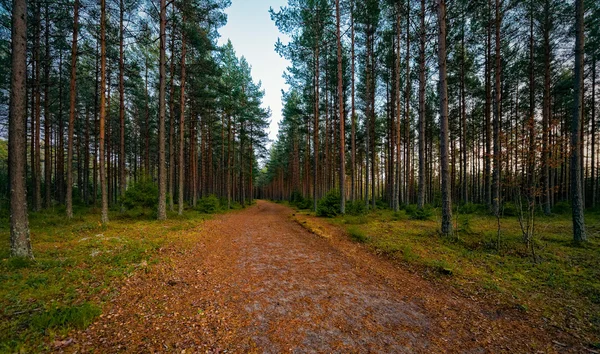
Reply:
x=253, y=35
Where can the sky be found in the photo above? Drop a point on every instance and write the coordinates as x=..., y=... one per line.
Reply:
x=253, y=35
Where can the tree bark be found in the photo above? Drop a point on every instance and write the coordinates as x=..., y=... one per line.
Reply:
x=579, y=233
x=497, y=116
x=444, y=138
x=47, y=119
x=341, y=112
x=101, y=143
x=162, y=176
x=122, y=174
x=72, y=111
x=180, y=201
x=20, y=242
x=421, y=191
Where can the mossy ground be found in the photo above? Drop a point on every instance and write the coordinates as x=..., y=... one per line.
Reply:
x=77, y=267
x=561, y=283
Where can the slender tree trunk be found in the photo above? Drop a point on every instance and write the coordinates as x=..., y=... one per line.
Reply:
x=47, y=119
x=579, y=233
x=444, y=138
x=546, y=113
x=180, y=200
x=36, y=109
x=488, y=113
x=162, y=176
x=316, y=132
x=398, y=179
x=497, y=117
x=72, y=110
x=353, y=137
x=341, y=112
x=171, y=187
x=122, y=174
x=594, y=124
x=101, y=146
x=423, y=34
x=20, y=243
x=463, y=114
x=531, y=122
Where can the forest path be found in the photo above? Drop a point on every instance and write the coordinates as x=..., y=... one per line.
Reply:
x=256, y=281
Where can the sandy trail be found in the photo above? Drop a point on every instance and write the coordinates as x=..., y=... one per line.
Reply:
x=256, y=281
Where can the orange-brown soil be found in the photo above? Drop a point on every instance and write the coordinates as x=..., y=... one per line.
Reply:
x=257, y=281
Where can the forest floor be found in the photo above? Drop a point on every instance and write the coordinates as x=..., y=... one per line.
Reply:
x=258, y=280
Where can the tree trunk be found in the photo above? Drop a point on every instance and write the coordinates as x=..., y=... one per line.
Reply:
x=162, y=176
x=36, y=109
x=72, y=110
x=101, y=146
x=546, y=113
x=316, y=132
x=47, y=119
x=497, y=117
x=341, y=113
x=444, y=138
x=180, y=201
x=579, y=234
x=171, y=186
x=122, y=175
x=20, y=243
x=353, y=137
x=423, y=34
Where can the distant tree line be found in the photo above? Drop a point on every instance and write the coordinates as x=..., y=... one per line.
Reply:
x=479, y=101
x=100, y=95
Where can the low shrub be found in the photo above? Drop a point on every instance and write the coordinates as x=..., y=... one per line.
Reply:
x=208, y=205
x=143, y=193
x=472, y=208
x=356, y=208
x=561, y=208
x=415, y=213
x=297, y=200
x=329, y=205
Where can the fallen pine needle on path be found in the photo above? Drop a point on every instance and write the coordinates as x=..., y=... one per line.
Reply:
x=256, y=281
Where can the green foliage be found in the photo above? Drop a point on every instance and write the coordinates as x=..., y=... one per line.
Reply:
x=297, y=200
x=329, y=205
x=510, y=209
x=356, y=234
x=209, y=204
x=415, y=213
x=562, y=208
x=68, y=317
x=143, y=193
x=15, y=263
x=355, y=220
x=356, y=207
x=472, y=208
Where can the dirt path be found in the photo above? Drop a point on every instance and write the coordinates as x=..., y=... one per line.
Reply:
x=256, y=281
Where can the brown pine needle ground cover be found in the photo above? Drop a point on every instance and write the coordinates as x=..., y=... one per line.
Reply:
x=256, y=281
x=77, y=266
x=558, y=292
x=251, y=281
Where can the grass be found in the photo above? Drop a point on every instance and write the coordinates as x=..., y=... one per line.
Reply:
x=562, y=283
x=76, y=269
